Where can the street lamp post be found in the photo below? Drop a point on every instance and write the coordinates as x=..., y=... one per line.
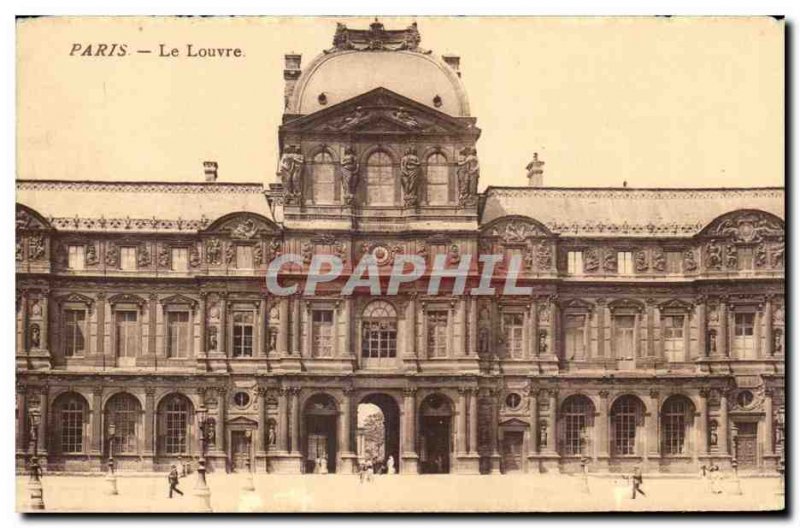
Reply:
x=585, y=474
x=201, y=490
x=35, y=491
x=111, y=476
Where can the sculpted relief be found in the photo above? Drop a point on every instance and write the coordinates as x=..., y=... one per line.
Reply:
x=410, y=168
x=468, y=172
x=290, y=172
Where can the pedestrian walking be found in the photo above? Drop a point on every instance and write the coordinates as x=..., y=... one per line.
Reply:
x=173, y=481
x=713, y=476
x=362, y=471
x=637, y=482
x=370, y=470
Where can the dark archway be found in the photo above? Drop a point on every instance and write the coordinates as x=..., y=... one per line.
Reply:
x=390, y=417
x=436, y=427
x=321, y=414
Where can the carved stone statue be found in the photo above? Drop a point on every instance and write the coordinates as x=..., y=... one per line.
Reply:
x=542, y=342
x=777, y=254
x=163, y=257
x=214, y=251
x=714, y=253
x=36, y=336
x=349, y=164
x=731, y=256
x=212, y=338
x=689, y=263
x=712, y=342
x=591, y=260
x=290, y=170
x=641, y=261
x=36, y=247
x=468, y=171
x=409, y=176
x=91, y=255
x=659, y=261
x=359, y=115
x=19, y=249
x=194, y=256
x=402, y=115
x=272, y=436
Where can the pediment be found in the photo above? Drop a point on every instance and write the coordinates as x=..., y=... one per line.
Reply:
x=76, y=298
x=179, y=299
x=241, y=420
x=243, y=226
x=513, y=422
x=126, y=298
x=380, y=111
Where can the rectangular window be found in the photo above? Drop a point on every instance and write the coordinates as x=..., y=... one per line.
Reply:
x=74, y=332
x=72, y=428
x=512, y=326
x=76, y=258
x=175, y=438
x=180, y=259
x=127, y=258
x=674, y=262
x=744, y=345
x=244, y=257
x=379, y=339
x=127, y=333
x=437, y=334
x=575, y=336
x=243, y=334
x=322, y=333
x=177, y=334
x=624, y=263
x=623, y=336
x=575, y=262
x=674, y=342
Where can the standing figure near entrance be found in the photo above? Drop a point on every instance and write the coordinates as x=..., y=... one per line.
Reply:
x=173, y=481
x=390, y=465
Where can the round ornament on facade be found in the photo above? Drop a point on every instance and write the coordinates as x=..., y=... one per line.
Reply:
x=322, y=99
x=381, y=255
x=437, y=101
x=513, y=400
x=744, y=399
x=241, y=399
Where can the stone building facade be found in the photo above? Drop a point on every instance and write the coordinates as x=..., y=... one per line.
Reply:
x=654, y=336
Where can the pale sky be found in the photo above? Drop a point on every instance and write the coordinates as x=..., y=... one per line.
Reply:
x=656, y=102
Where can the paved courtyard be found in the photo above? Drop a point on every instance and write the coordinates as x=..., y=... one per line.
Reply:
x=434, y=493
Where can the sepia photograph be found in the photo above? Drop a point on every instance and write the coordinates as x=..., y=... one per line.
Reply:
x=400, y=264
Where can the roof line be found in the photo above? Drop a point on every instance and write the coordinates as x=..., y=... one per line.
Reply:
x=548, y=188
x=139, y=182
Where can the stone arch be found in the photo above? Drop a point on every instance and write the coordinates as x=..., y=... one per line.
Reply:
x=390, y=408
x=320, y=433
x=175, y=425
x=124, y=411
x=71, y=422
x=436, y=414
x=676, y=424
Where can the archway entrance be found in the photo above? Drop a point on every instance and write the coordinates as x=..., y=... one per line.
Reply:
x=320, y=415
x=436, y=417
x=378, y=433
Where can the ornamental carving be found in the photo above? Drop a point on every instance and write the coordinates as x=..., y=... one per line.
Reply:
x=258, y=255
x=143, y=256
x=591, y=260
x=194, y=256
x=659, y=260
x=19, y=251
x=610, y=262
x=777, y=252
x=454, y=254
x=468, y=172
x=307, y=251
x=112, y=255
x=544, y=256
x=355, y=118
x=689, y=262
x=246, y=229
x=410, y=168
x=713, y=256
x=749, y=227
x=275, y=249
x=36, y=247
x=349, y=165
x=403, y=116
x=640, y=261
x=777, y=316
x=290, y=172
x=163, y=256
x=515, y=230
x=760, y=255
x=376, y=38
x=214, y=251
x=230, y=254
x=731, y=256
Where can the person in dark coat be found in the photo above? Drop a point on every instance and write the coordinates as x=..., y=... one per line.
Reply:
x=637, y=482
x=173, y=481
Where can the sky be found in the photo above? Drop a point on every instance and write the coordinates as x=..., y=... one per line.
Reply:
x=654, y=102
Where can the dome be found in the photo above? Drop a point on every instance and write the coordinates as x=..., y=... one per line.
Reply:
x=336, y=77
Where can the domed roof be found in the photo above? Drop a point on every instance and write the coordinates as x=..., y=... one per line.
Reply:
x=350, y=69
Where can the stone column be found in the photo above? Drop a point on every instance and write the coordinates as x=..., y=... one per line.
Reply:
x=702, y=429
x=222, y=344
x=472, y=349
x=650, y=311
x=261, y=448
x=203, y=349
x=722, y=427
x=297, y=346
x=602, y=449
x=345, y=449
x=220, y=425
x=601, y=333
x=263, y=329
x=769, y=349
x=43, y=420
x=473, y=421
x=551, y=421
x=493, y=431
x=295, y=440
x=533, y=402
x=101, y=330
x=409, y=433
x=722, y=338
x=769, y=444
x=152, y=318
x=461, y=430
x=97, y=421
x=149, y=421
x=535, y=328
x=651, y=426
x=283, y=420
x=283, y=333
x=702, y=327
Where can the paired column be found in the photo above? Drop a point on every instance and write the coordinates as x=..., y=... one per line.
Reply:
x=461, y=432
x=602, y=450
x=409, y=422
x=722, y=427
x=550, y=446
x=262, y=420
x=722, y=339
x=651, y=426
x=283, y=420
x=769, y=440
x=283, y=336
x=702, y=327
x=702, y=429
x=473, y=421
x=533, y=401
x=295, y=403
x=97, y=420
x=149, y=420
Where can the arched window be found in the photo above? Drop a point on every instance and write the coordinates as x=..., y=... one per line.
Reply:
x=175, y=417
x=379, y=331
x=71, y=413
x=676, y=418
x=577, y=416
x=323, y=179
x=380, y=179
x=626, y=418
x=438, y=180
x=124, y=411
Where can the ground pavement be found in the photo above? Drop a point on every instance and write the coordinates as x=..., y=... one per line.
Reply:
x=410, y=493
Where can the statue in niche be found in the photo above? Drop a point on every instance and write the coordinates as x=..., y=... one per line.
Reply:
x=483, y=342
x=409, y=176
x=468, y=172
x=712, y=433
x=36, y=247
x=712, y=342
x=659, y=261
x=230, y=254
x=714, y=253
x=591, y=260
x=290, y=169
x=36, y=310
x=641, y=261
x=542, y=342
x=777, y=342
x=212, y=338
x=349, y=164
x=36, y=336
x=777, y=254
x=731, y=256
x=610, y=263
x=542, y=433
x=272, y=435
x=214, y=251
x=163, y=257
x=91, y=255
x=273, y=339
x=689, y=264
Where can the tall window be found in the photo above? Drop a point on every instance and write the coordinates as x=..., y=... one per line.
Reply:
x=177, y=334
x=73, y=416
x=380, y=179
x=575, y=336
x=625, y=262
x=74, y=332
x=575, y=262
x=243, y=334
x=176, y=423
x=625, y=418
x=127, y=330
x=76, y=257
x=323, y=182
x=744, y=345
x=674, y=342
x=674, y=260
x=244, y=257
x=438, y=184
x=127, y=258
x=322, y=333
x=180, y=258
x=512, y=326
x=437, y=333
x=379, y=331
x=624, y=336
x=576, y=416
x=123, y=410
x=675, y=419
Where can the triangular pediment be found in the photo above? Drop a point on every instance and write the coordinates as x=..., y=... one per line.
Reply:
x=379, y=111
x=241, y=420
x=513, y=422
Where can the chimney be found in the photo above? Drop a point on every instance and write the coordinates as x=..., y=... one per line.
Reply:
x=210, y=170
x=535, y=171
x=454, y=61
x=291, y=72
